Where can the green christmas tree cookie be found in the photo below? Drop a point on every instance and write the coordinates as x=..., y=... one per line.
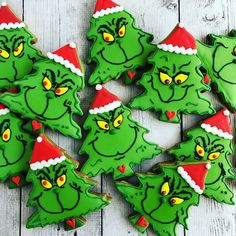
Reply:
x=17, y=53
x=119, y=47
x=50, y=94
x=115, y=142
x=211, y=141
x=175, y=83
x=15, y=149
x=59, y=193
x=163, y=199
x=219, y=60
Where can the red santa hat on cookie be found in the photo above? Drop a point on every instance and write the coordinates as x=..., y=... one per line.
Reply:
x=195, y=175
x=179, y=41
x=8, y=20
x=3, y=110
x=219, y=124
x=104, y=101
x=106, y=7
x=68, y=57
x=45, y=154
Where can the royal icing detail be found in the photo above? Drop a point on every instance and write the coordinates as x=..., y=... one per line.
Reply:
x=108, y=11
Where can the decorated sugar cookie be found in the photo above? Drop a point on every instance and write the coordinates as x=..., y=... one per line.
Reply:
x=15, y=149
x=115, y=142
x=219, y=60
x=175, y=84
x=59, y=193
x=119, y=47
x=211, y=141
x=49, y=95
x=17, y=53
x=162, y=200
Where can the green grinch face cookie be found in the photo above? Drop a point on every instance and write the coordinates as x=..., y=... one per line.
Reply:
x=118, y=45
x=115, y=142
x=162, y=200
x=59, y=193
x=50, y=94
x=175, y=84
x=15, y=149
x=219, y=60
x=213, y=142
x=17, y=53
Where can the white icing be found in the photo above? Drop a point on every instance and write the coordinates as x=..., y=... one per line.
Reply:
x=4, y=111
x=208, y=166
x=226, y=112
x=189, y=180
x=65, y=63
x=214, y=130
x=98, y=87
x=39, y=165
x=4, y=4
x=39, y=139
x=181, y=25
x=177, y=49
x=12, y=25
x=109, y=107
x=72, y=45
x=107, y=11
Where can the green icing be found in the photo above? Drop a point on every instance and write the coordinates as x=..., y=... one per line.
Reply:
x=219, y=60
x=118, y=47
x=50, y=96
x=173, y=86
x=202, y=145
x=17, y=55
x=154, y=199
x=115, y=143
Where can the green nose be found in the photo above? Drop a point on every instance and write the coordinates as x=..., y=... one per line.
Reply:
x=50, y=95
x=113, y=131
x=163, y=200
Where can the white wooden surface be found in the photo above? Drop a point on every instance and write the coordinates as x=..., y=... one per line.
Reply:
x=57, y=22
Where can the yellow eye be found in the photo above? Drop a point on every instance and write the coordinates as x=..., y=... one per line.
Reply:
x=47, y=83
x=108, y=37
x=46, y=184
x=117, y=122
x=180, y=78
x=165, y=189
x=4, y=53
x=122, y=31
x=165, y=79
x=18, y=50
x=103, y=125
x=234, y=51
x=200, y=151
x=176, y=200
x=213, y=156
x=61, y=91
x=6, y=135
x=61, y=180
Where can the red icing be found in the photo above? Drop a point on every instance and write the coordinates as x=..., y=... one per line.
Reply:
x=103, y=97
x=197, y=172
x=104, y=4
x=43, y=151
x=7, y=16
x=2, y=106
x=142, y=222
x=13, y=90
x=122, y=168
x=16, y=180
x=180, y=37
x=36, y=125
x=70, y=54
x=71, y=222
x=220, y=120
x=131, y=74
x=5, y=136
x=58, y=90
x=206, y=79
x=170, y=114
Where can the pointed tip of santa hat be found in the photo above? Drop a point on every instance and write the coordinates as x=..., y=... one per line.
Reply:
x=68, y=57
x=219, y=124
x=8, y=20
x=179, y=41
x=106, y=7
x=195, y=175
x=3, y=110
x=104, y=101
x=45, y=154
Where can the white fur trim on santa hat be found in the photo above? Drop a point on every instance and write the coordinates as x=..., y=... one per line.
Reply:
x=4, y=4
x=226, y=112
x=177, y=49
x=65, y=63
x=50, y=162
x=108, y=11
x=214, y=130
x=189, y=180
x=106, y=108
x=4, y=111
x=12, y=25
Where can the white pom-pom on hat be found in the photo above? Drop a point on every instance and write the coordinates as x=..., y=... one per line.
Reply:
x=226, y=112
x=39, y=139
x=4, y=4
x=72, y=44
x=98, y=87
x=208, y=166
x=181, y=25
